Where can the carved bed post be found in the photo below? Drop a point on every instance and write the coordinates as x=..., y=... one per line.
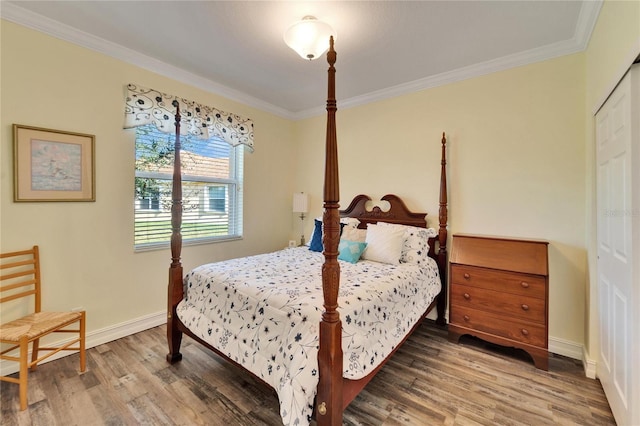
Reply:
x=442, y=235
x=329, y=396
x=175, y=290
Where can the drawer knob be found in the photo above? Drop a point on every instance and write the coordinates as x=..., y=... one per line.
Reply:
x=467, y=296
x=525, y=307
x=524, y=284
x=466, y=317
x=525, y=332
x=466, y=276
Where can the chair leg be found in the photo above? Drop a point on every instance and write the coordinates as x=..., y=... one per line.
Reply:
x=83, y=359
x=24, y=367
x=34, y=354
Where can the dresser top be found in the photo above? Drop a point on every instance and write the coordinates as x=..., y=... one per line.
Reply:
x=503, y=253
x=499, y=237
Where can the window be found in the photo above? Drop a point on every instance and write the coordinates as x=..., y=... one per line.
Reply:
x=211, y=188
x=149, y=198
x=217, y=198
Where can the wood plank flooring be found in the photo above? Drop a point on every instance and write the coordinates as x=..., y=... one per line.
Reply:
x=429, y=381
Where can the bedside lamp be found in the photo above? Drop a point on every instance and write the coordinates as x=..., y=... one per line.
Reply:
x=301, y=205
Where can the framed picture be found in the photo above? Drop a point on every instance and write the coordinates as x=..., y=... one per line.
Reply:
x=52, y=165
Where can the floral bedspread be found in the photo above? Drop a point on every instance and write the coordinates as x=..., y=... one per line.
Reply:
x=264, y=311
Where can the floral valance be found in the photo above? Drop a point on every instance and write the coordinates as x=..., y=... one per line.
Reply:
x=147, y=106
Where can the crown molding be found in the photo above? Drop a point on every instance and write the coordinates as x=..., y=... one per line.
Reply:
x=584, y=27
x=582, y=34
x=26, y=18
x=460, y=74
x=586, y=22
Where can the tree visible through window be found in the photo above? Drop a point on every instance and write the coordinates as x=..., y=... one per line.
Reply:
x=211, y=186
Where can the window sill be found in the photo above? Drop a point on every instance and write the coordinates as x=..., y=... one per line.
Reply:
x=198, y=242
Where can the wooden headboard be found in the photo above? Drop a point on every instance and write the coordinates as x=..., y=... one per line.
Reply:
x=397, y=213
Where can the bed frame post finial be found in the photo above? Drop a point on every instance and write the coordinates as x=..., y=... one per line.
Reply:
x=329, y=397
x=331, y=54
x=442, y=235
x=175, y=290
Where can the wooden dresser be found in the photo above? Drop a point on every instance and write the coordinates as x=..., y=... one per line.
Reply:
x=499, y=292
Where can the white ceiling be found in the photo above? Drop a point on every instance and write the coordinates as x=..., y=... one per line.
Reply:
x=385, y=48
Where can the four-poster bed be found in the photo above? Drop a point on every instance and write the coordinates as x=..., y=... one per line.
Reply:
x=297, y=339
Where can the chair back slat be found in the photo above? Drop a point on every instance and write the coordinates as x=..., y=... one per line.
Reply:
x=20, y=275
x=16, y=253
x=17, y=296
x=17, y=285
x=16, y=264
x=17, y=274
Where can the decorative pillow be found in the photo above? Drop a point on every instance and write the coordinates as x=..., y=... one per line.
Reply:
x=318, y=232
x=350, y=222
x=384, y=244
x=415, y=247
x=316, y=237
x=350, y=251
x=354, y=234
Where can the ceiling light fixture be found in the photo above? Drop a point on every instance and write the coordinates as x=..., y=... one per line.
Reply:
x=309, y=37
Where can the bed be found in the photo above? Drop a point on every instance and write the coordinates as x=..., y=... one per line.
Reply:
x=286, y=316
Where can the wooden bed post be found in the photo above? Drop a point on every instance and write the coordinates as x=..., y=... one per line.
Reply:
x=175, y=290
x=329, y=397
x=442, y=235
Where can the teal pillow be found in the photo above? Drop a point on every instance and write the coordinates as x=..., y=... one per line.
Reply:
x=350, y=251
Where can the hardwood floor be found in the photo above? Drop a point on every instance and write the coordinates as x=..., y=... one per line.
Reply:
x=429, y=381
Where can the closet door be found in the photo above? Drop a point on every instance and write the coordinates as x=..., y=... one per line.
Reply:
x=618, y=226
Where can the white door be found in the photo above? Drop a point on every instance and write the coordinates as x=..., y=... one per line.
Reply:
x=618, y=226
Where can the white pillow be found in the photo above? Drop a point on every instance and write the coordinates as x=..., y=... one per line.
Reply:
x=384, y=244
x=354, y=234
x=350, y=222
x=415, y=247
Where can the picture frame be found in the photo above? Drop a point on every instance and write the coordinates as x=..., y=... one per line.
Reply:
x=52, y=165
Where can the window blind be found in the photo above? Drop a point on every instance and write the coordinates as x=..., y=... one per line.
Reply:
x=212, y=173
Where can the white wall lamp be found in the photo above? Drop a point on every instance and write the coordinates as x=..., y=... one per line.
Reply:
x=301, y=205
x=309, y=37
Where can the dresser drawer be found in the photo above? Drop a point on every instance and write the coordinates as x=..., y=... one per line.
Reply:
x=502, y=281
x=531, y=334
x=507, y=304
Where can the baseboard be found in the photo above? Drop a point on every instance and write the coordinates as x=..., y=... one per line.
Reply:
x=566, y=348
x=576, y=351
x=99, y=337
x=589, y=364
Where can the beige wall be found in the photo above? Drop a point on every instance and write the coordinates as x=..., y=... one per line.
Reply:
x=516, y=163
x=87, y=248
x=614, y=44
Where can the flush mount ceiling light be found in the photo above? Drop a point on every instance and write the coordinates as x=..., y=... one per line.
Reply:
x=309, y=37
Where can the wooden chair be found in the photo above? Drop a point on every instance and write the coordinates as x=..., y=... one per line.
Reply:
x=20, y=277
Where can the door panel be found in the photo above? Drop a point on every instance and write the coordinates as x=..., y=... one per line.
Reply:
x=615, y=228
